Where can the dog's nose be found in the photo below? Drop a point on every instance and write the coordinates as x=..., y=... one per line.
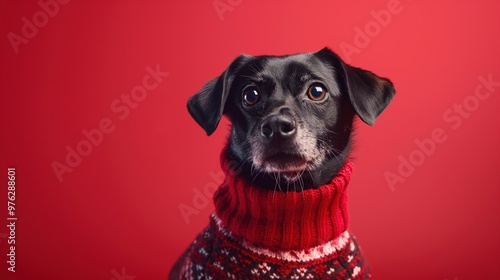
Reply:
x=278, y=126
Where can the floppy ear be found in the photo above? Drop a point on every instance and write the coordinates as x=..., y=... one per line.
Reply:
x=207, y=106
x=369, y=94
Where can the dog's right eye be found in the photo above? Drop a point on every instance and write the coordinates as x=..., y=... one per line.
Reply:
x=250, y=96
x=316, y=92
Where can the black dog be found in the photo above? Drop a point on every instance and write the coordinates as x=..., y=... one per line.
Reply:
x=292, y=122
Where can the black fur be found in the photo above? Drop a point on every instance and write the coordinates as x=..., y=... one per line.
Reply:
x=282, y=83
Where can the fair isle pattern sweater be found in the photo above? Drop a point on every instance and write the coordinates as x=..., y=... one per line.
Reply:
x=260, y=234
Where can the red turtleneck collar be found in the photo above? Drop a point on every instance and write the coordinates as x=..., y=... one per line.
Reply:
x=283, y=220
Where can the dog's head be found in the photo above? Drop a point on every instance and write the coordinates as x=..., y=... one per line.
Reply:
x=291, y=115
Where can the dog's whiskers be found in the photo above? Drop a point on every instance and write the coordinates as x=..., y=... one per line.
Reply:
x=240, y=165
x=310, y=174
x=252, y=168
x=301, y=181
x=279, y=181
x=255, y=172
x=275, y=183
x=255, y=176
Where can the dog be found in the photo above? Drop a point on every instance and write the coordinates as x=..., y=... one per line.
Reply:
x=281, y=211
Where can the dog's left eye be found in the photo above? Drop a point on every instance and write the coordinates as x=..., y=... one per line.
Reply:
x=250, y=96
x=316, y=92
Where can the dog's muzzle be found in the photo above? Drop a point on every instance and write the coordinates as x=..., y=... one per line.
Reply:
x=278, y=126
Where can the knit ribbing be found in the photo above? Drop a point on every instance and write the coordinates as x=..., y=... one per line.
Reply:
x=284, y=220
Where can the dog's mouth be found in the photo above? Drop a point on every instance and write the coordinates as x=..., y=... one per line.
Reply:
x=287, y=164
x=287, y=159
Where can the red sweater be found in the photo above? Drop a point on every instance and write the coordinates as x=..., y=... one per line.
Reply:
x=261, y=234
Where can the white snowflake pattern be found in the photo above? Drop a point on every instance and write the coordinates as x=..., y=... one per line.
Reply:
x=218, y=265
x=255, y=271
x=203, y=252
x=355, y=271
x=264, y=268
x=274, y=276
x=330, y=271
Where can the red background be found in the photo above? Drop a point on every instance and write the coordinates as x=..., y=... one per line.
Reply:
x=119, y=208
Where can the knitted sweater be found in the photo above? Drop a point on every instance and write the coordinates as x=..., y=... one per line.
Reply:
x=261, y=234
